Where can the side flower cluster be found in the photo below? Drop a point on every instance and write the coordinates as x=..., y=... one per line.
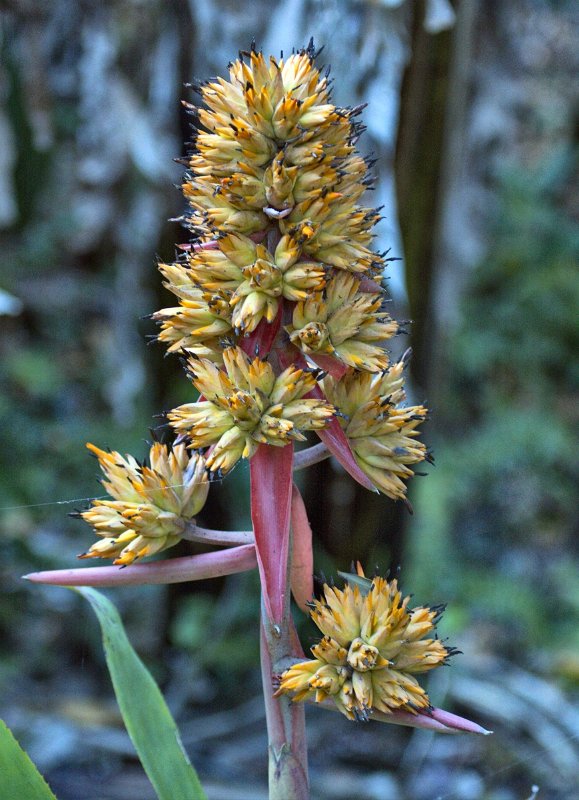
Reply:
x=382, y=431
x=150, y=505
x=373, y=648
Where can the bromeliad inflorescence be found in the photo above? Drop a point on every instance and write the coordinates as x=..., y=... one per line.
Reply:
x=280, y=323
x=280, y=319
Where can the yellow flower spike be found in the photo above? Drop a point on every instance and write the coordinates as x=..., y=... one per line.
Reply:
x=234, y=444
x=287, y=252
x=361, y=672
x=213, y=271
x=152, y=504
x=329, y=651
x=363, y=657
x=240, y=250
x=246, y=404
x=297, y=678
x=328, y=680
x=216, y=212
x=362, y=686
x=244, y=189
x=203, y=422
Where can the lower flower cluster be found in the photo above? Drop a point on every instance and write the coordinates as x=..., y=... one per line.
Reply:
x=372, y=649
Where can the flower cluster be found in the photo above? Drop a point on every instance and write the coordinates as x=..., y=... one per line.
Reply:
x=372, y=649
x=343, y=322
x=276, y=157
x=245, y=405
x=280, y=268
x=151, y=504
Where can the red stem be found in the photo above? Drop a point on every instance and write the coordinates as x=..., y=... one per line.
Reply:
x=271, y=471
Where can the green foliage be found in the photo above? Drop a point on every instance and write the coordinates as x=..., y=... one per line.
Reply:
x=495, y=519
x=513, y=359
x=145, y=713
x=519, y=330
x=19, y=778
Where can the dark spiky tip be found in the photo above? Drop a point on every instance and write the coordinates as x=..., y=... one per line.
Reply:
x=439, y=610
x=311, y=51
x=321, y=579
x=408, y=505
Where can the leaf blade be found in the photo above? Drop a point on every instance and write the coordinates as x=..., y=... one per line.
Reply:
x=147, y=718
x=19, y=778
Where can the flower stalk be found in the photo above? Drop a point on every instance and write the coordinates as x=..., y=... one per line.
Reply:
x=271, y=504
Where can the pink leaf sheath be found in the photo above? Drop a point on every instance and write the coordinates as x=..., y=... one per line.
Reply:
x=456, y=723
x=271, y=490
x=302, y=561
x=433, y=720
x=172, y=570
x=337, y=443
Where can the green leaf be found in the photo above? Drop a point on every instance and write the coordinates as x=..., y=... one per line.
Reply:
x=145, y=713
x=19, y=778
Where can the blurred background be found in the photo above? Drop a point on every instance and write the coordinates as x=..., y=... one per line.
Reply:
x=473, y=118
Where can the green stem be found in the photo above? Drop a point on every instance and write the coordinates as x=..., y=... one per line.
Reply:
x=286, y=726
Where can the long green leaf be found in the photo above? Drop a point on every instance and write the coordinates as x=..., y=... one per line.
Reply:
x=145, y=713
x=19, y=778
